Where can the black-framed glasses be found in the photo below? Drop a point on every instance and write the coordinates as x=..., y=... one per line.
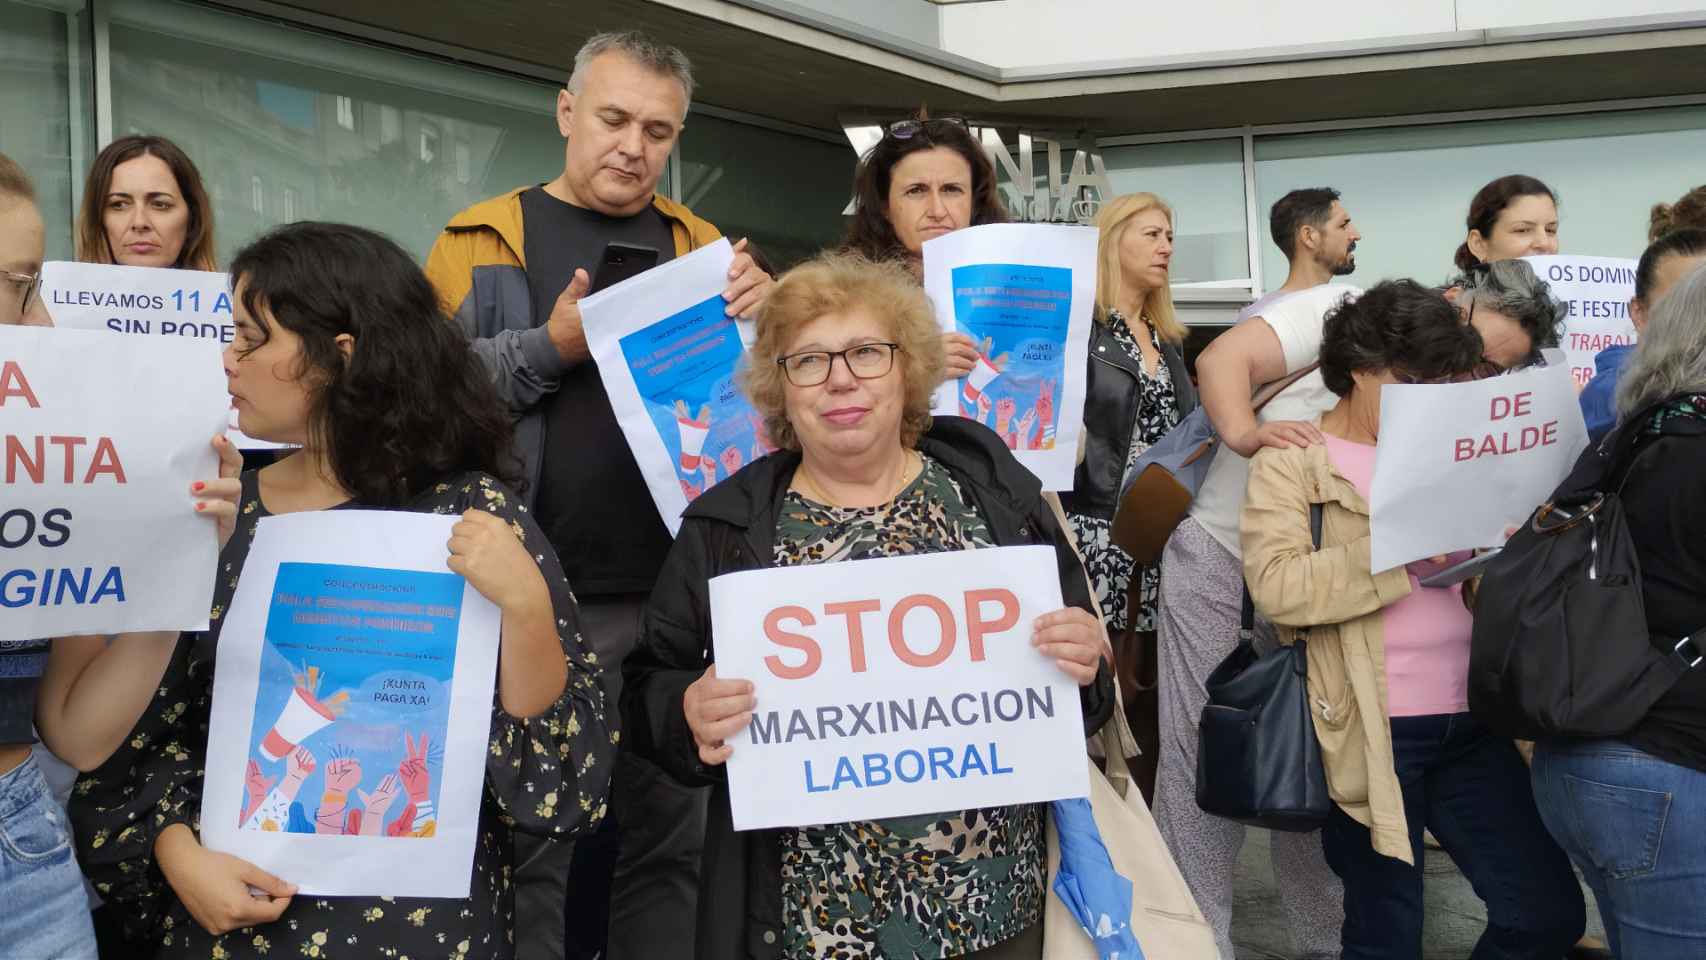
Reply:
x=31, y=282
x=1481, y=371
x=912, y=127
x=867, y=361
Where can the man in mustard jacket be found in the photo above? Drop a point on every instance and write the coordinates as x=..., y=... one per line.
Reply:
x=512, y=271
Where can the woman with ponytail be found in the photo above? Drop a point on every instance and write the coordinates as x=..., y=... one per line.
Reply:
x=1514, y=216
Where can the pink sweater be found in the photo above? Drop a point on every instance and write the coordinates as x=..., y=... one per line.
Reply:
x=1426, y=633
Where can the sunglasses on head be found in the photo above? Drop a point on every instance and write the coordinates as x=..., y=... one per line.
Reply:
x=912, y=127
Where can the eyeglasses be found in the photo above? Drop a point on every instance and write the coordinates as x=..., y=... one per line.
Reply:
x=31, y=282
x=1481, y=371
x=909, y=128
x=867, y=361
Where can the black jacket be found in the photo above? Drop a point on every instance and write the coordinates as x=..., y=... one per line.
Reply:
x=1112, y=400
x=1664, y=503
x=732, y=528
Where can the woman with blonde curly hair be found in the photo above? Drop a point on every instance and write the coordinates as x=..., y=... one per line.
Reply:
x=847, y=355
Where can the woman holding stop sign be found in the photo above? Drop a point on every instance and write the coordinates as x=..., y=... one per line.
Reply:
x=847, y=356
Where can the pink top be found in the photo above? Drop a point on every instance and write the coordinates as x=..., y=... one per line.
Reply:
x=1427, y=632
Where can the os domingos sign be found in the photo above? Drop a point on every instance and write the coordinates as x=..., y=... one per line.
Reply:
x=1061, y=195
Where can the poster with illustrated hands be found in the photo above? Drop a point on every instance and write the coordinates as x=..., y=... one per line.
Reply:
x=152, y=302
x=1595, y=292
x=668, y=355
x=352, y=704
x=1025, y=294
x=100, y=439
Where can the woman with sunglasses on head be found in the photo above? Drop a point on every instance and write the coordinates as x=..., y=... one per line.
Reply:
x=847, y=357
x=1388, y=661
x=925, y=178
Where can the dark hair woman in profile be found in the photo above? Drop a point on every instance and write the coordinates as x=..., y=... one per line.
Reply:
x=144, y=206
x=1513, y=216
x=341, y=347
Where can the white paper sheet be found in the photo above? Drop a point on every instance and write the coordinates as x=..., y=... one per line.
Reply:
x=1025, y=292
x=1595, y=292
x=668, y=355
x=943, y=639
x=353, y=663
x=100, y=439
x=1458, y=463
x=146, y=302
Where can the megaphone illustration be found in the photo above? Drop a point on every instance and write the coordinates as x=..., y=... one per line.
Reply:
x=693, y=433
x=302, y=717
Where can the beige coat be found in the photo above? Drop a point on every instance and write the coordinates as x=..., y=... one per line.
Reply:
x=1330, y=598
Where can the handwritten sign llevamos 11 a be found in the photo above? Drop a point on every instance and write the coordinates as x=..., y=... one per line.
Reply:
x=1460, y=462
x=895, y=687
x=154, y=303
x=100, y=439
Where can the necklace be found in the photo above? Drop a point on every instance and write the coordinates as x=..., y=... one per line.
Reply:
x=817, y=492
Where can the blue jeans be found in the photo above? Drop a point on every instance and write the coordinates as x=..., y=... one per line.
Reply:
x=1471, y=789
x=1636, y=826
x=46, y=912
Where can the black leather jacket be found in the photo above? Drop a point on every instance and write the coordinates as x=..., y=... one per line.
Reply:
x=733, y=527
x=1111, y=403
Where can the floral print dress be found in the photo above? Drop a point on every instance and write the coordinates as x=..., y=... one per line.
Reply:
x=938, y=885
x=547, y=775
x=1109, y=567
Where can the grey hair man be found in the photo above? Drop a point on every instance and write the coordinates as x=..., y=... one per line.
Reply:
x=512, y=271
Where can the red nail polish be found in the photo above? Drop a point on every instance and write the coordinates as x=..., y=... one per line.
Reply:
x=198, y=486
x=201, y=506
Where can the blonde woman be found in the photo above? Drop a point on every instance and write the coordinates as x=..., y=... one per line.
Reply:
x=1137, y=390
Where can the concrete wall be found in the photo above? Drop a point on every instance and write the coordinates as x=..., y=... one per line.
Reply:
x=1034, y=33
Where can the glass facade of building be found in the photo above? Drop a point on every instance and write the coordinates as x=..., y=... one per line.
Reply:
x=289, y=123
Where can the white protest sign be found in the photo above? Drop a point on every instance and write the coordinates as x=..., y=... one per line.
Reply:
x=1460, y=462
x=668, y=355
x=1025, y=293
x=1595, y=292
x=897, y=686
x=100, y=439
x=146, y=302
x=352, y=704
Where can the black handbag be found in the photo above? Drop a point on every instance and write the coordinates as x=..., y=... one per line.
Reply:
x=1561, y=646
x=1258, y=761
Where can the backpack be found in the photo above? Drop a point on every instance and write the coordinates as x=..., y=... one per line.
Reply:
x=1560, y=645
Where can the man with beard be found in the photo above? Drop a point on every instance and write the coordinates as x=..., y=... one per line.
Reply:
x=1202, y=581
x=1312, y=229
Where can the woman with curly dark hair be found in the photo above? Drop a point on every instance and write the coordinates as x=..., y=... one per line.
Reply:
x=341, y=347
x=927, y=177
x=1389, y=660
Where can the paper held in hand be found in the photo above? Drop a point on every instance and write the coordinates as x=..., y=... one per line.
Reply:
x=153, y=303
x=897, y=686
x=352, y=704
x=1025, y=294
x=1595, y=292
x=100, y=439
x=668, y=355
x=1459, y=463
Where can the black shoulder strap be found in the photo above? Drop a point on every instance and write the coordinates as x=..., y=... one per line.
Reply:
x=1247, y=614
